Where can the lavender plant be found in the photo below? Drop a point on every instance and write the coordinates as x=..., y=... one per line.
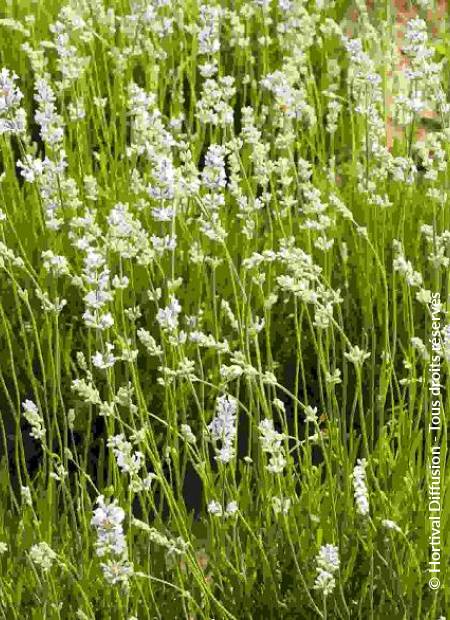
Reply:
x=224, y=235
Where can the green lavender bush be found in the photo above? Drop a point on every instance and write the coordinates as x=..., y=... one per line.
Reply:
x=224, y=252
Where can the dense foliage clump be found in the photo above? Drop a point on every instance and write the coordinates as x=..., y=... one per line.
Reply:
x=224, y=253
